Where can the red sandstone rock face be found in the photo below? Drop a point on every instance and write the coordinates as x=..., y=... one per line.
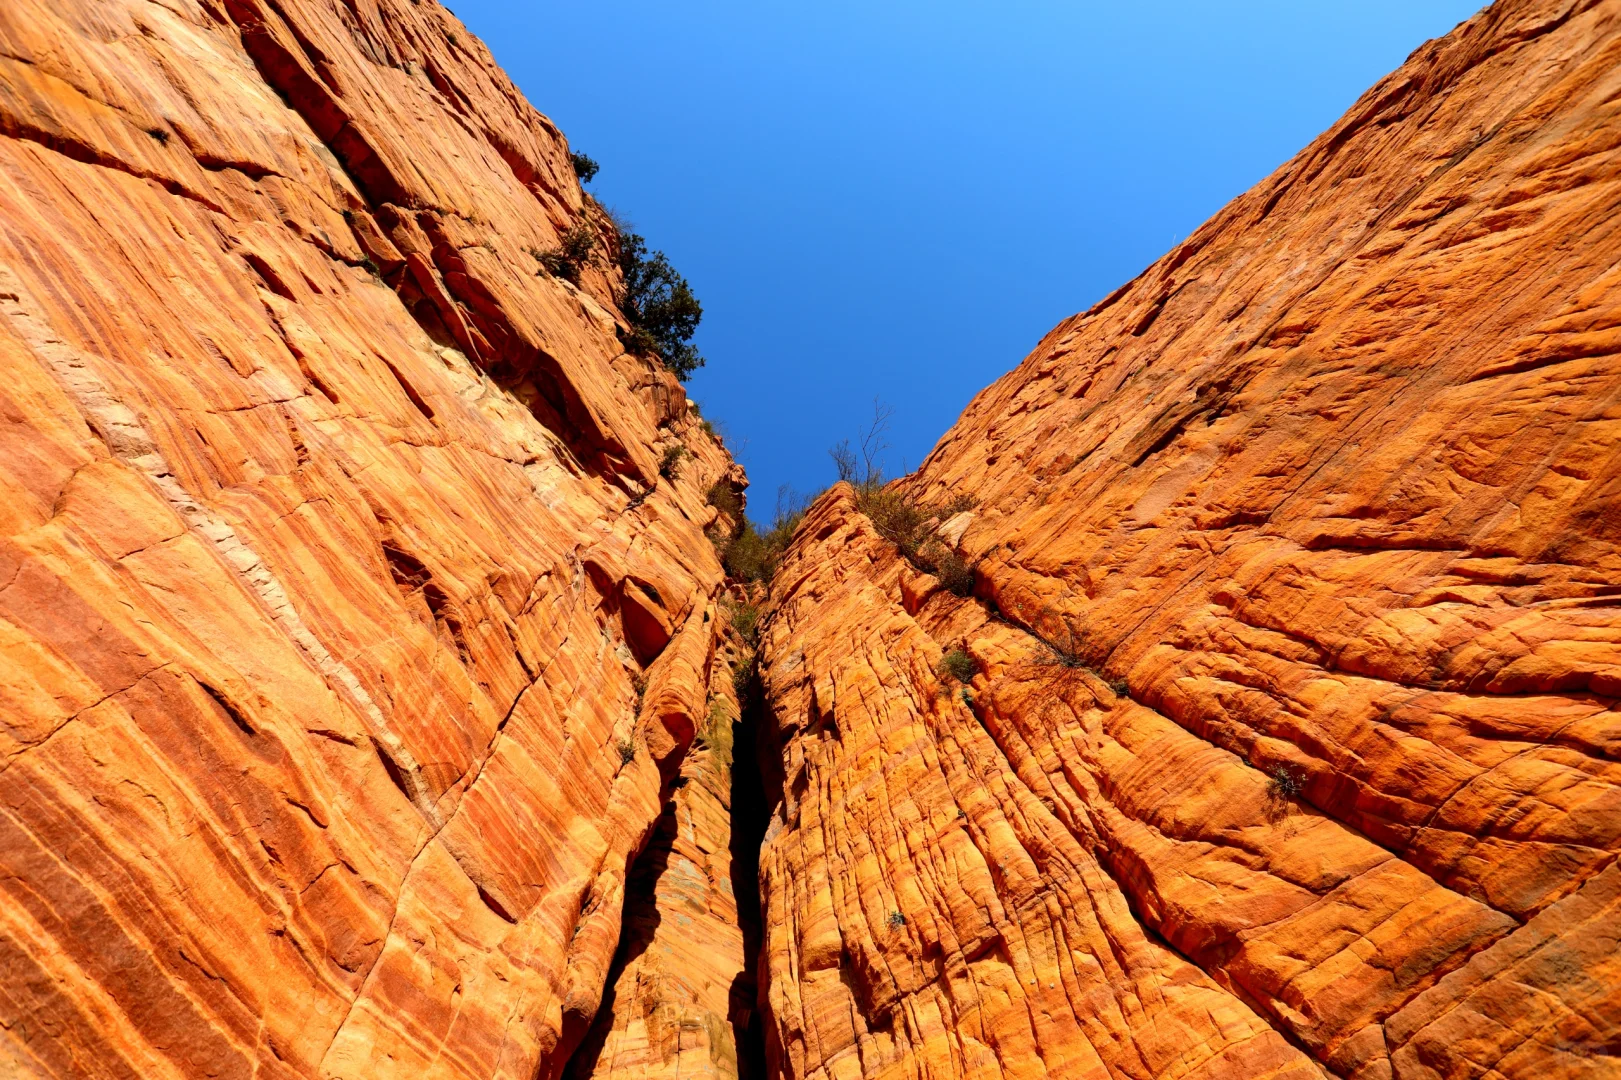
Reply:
x=681, y=999
x=1294, y=744
x=334, y=548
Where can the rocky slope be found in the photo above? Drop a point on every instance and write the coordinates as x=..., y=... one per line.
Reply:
x=350, y=639
x=1292, y=748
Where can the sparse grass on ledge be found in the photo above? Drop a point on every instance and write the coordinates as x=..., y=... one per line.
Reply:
x=957, y=665
x=576, y=250
x=670, y=463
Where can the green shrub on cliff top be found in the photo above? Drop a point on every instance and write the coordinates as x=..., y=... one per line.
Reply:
x=660, y=306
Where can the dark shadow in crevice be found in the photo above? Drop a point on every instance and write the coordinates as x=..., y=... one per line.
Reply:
x=640, y=920
x=750, y=812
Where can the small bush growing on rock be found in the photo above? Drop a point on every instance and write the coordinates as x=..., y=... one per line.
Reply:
x=743, y=675
x=745, y=619
x=1284, y=784
x=627, y=751
x=754, y=556
x=1121, y=687
x=584, y=167
x=896, y=920
x=1056, y=656
x=1067, y=654
x=670, y=464
x=954, y=573
x=896, y=517
x=575, y=250
x=958, y=666
x=725, y=498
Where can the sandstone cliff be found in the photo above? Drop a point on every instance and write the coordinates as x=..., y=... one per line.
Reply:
x=367, y=701
x=350, y=639
x=1292, y=748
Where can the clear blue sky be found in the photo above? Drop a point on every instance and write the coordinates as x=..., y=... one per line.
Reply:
x=898, y=198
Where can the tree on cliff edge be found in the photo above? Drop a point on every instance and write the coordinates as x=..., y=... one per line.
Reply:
x=660, y=305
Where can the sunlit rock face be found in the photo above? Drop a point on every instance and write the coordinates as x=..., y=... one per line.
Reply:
x=1292, y=748
x=350, y=638
x=682, y=997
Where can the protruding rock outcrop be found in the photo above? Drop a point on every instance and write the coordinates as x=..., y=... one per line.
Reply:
x=350, y=637
x=1289, y=737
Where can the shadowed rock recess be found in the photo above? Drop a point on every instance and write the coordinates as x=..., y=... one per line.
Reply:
x=368, y=702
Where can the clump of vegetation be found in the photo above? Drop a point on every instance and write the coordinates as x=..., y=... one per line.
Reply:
x=1065, y=655
x=1284, y=784
x=575, y=251
x=725, y=498
x=159, y=134
x=659, y=305
x=957, y=665
x=745, y=619
x=638, y=683
x=584, y=167
x=953, y=573
x=670, y=464
x=896, y=920
x=627, y=751
x=743, y=676
x=753, y=555
x=898, y=516
x=1121, y=687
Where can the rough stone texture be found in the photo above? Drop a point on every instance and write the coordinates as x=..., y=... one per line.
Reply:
x=1294, y=745
x=681, y=998
x=333, y=552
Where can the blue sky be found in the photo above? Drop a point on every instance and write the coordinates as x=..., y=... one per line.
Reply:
x=898, y=199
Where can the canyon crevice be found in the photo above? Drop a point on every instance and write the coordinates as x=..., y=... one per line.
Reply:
x=374, y=701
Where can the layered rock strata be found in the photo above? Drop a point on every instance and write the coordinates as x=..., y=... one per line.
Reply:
x=1289, y=745
x=350, y=636
x=681, y=1000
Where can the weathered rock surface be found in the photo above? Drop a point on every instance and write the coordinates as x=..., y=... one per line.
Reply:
x=349, y=637
x=681, y=999
x=1293, y=748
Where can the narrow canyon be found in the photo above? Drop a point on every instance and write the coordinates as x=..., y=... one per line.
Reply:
x=1231, y=694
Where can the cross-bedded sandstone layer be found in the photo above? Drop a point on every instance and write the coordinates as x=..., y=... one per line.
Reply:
x=350, y=638
x=1293, y=747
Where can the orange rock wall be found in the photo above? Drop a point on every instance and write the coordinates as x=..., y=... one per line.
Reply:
x=349, y=638
x=1293, y=748
x=681, y=997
